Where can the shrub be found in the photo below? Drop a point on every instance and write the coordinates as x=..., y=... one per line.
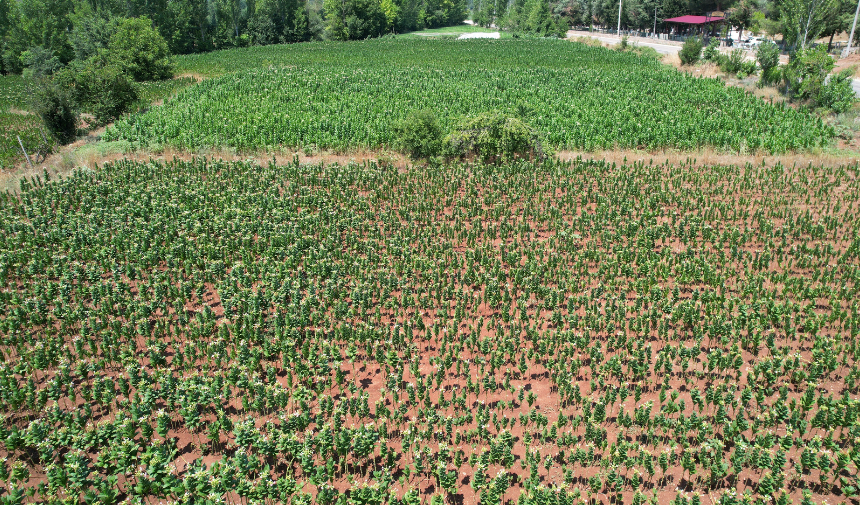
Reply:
x=493, y=137
x=806, y=72
x=105, y=91
x=419, y=135
x=767, y=56
x=40, y=62
x=140, y=51
x=712, y=51
x=748, y=67
x=733, y=63
x=691, y=52
x=54, y=105
x=837, y=93
x=771, y=76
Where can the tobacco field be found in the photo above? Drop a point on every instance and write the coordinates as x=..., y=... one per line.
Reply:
x=534, y=333
x=350, y=95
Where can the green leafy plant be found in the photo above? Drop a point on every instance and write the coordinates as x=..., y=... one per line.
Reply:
x=767, y=56
x=494, y=137
x=54, y=104
x=419, y=135
x=806, y=73
x=691, y=51
x=712, y=50
x=837, y=94
x=139, y=50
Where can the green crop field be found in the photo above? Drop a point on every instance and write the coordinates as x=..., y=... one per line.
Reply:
x=345, y=96
x=534, y=332
x=209, y=332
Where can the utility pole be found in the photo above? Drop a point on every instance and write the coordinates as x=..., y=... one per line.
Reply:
x=655, y=20
x=619, y=19
x=851, y=37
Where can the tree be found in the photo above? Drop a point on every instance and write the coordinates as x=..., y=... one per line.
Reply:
x=539, y=20
x=742, y=16
x=140, y=51
x=674, y=8
x=37, y=23
x=838, y=20
x=805, y=20
x=354, y=19
x=92, y=33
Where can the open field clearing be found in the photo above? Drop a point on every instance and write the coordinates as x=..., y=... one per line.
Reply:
x=349, y=96
x=201, y=332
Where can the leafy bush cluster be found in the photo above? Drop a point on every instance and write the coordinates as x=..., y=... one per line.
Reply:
x=420, y=135
x=490, y=137
x=734, y=63
x=104, y=83
x=712, y=50
x=806, y=80
x=493, y=136
x=691, y=52
x=837, y=94
x=54, y=104
x=767, y=56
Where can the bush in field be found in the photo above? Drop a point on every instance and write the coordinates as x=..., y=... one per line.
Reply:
x=837, y=93
x=105, y=91
x=691, y=52
x=733, y=62
x=493, y=136
x=419, y=135
x=712, y=51
x=806, y=73
x=54, y=105
x=767, y=56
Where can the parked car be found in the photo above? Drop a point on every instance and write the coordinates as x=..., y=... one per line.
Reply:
x=752, y=42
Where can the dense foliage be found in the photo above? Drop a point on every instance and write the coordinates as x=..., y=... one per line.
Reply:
x=204, y=332
x=419, y=134
x=494, y=137
x=691, y=52
x=767, y=56
x=17, y=122
x=54, y=105
x=352, y=95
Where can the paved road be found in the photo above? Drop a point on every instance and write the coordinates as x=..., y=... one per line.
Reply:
x=660, y=48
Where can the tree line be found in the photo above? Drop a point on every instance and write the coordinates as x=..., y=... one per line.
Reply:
x=49, y=34
x=67, y=30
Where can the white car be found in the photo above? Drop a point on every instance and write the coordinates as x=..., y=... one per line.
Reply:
x=752, y=42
